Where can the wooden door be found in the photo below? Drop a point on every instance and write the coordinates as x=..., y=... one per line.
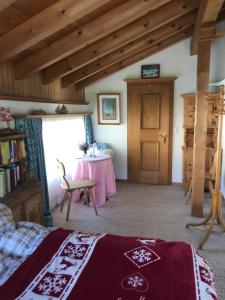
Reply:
x=150, y=107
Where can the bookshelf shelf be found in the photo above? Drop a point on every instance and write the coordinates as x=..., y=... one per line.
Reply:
x=12, y=163
x=13, y=136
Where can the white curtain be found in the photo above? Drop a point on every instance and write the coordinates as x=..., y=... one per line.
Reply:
x=61, y=137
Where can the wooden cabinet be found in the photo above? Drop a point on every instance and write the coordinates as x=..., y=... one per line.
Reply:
x=188, y=124
x=26, y=202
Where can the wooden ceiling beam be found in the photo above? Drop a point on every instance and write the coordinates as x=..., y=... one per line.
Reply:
x=211, y=11
x=86, y=34
x=130, y=49
x=207, y=15
x=6, y=3
x=116, y=40
x=44, y=24
x=133, y=59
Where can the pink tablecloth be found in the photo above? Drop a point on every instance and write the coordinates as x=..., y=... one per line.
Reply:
x=100, y=170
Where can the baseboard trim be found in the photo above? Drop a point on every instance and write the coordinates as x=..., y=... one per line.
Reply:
x=177, y=183
x=173, y=183
x=122, y=180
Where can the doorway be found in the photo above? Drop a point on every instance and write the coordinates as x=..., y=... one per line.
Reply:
x=150, y=117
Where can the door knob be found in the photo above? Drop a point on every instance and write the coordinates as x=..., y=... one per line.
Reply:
x=164, y=135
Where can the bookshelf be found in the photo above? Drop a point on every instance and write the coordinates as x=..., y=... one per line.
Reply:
x=23, y=196
x=12, y=161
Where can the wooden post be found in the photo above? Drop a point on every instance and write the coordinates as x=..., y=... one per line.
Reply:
x=200, y=129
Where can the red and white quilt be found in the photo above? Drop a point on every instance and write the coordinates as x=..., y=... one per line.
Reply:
x=84, y=266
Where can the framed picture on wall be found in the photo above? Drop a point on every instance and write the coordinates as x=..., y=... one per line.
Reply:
x=108, y=107
x=150, y=71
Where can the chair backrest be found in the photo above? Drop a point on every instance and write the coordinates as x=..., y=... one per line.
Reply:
x=62, y=172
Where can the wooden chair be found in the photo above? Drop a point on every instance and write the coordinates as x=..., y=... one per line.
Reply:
x=210, y=177
x=70, y=186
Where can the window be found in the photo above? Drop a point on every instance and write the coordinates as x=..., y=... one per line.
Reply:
x=61, y=137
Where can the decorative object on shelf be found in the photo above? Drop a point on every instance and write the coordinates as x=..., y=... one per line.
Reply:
x=216, y=196
x=108, y=107
x=84, y=147
x=61, y=110
x=5, y=116
x=150, y=71
x=38, y=112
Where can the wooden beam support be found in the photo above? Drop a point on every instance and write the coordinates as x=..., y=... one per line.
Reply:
x=133, y=59
x=45, y=23
x=200, y=128
x=144, y=42
x=211, y=10
x=148, y=23
x=96, y=29
x=206, y=17
x=6, y=3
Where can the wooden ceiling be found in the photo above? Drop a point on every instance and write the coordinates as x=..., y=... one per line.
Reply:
x=81, y=41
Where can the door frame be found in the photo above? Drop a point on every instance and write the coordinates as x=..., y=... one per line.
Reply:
x=163, y=80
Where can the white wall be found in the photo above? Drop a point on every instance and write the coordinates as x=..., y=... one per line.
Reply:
x=174, y=61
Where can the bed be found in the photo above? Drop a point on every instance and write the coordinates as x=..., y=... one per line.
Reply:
x=67, y=264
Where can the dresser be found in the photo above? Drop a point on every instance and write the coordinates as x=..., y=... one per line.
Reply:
x=188, y=125
x=26, y=202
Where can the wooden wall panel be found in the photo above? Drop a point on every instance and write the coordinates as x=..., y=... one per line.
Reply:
x=33, y=88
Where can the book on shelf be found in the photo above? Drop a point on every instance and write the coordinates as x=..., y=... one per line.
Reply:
x=2, y=183
x=12, y=151
x=10, y=177
x=5, y=152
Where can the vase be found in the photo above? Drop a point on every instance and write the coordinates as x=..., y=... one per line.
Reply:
x=84, y=153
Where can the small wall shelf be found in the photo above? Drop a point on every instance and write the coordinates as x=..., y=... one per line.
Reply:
x=52, y=115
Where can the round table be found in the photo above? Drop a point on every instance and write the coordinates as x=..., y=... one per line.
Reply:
x=100, y=170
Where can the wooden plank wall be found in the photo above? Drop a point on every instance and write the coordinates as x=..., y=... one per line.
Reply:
x=32, y=87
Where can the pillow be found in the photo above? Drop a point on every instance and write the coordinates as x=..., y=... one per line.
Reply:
x=5, y=261
x=23, y=241
x=6, y=219
x=8, y=265
x=15, y=243
x=106, y=151
x=102, y=146
x=31, y=226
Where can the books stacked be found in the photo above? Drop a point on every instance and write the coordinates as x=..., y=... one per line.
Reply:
x=12, y=151
x=10, y=177
x=12, y=165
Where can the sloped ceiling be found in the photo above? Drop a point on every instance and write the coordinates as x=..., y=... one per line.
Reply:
x=83, y=41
